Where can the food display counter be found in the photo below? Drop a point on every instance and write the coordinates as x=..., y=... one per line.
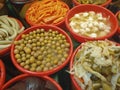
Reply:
x=18, y=10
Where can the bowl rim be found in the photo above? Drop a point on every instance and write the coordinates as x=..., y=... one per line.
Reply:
x=70, y=66
x=72, y=60
x=90, y=38
x=56, y=24
x=49, y=72
x=22, y=76
x=103, y=5
x=2, y=73
x=6, y=50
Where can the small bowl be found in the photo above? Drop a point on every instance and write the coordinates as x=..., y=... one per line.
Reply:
x=51, y=71
x=75, y=2
x=2, y=73
x=6, y=50
x=117, y=17
x=97, y=9
x=23, y=76
x=75, y=85
x=61, y=23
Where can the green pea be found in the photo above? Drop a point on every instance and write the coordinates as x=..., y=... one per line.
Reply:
x=16, y=51
x=38, y=68
x=17, y=56
x=26, y=66
x=22, y=64
x=40, y=57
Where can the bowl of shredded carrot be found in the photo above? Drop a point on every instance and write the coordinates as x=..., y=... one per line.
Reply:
x=102, y=3
x=47, y=12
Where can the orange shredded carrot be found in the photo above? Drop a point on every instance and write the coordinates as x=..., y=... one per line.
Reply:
x=58, y=19
x=49, y=19
x=47, y=11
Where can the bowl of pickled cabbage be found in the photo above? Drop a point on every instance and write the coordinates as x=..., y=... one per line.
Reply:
x=103, y=3
x=31, y=82
x=41, y=50
x=91, y=22
x=95, y=65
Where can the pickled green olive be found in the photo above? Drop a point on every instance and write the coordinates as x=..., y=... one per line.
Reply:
x=118, y=18
x=41, y=50
x=97, y=2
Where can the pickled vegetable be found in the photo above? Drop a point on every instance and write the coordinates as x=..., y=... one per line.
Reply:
x=97, y=2
x=97, y=63
x=90, y=24
x=9, y=29
x=41, y=50
x=46, y=12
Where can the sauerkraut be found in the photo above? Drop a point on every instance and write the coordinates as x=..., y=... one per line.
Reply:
x=96, y=66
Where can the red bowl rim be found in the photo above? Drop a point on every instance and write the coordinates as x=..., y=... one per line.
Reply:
x=72, y=60
x=56, y=24
x=2, y=73
x=19, y=77
x=90, y=38
x=49, y=72
x=103, y=5
x=6, y=50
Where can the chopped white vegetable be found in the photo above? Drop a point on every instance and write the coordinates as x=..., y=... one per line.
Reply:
x=94, y=35
x=89, y=20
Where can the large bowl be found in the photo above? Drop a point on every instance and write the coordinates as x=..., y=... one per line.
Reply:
x=48, y=72
x=60, y=23
x=75, y=85
x=75, y=2
x=98, y=9
x=7, y=50
x=23, y=76
x=2, y=73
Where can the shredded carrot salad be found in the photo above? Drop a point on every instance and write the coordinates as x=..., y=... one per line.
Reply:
x=47, y=12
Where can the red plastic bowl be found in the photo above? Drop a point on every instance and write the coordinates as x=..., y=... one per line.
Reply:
x=6, y=50
x=23, y=76
x=75, y=86
x=59, y=24
x=49, y=72
x=2, y=73
x=75, y=2
x=98, y=9
x=119, y=25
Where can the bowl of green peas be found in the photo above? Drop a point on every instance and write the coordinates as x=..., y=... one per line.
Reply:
x=41, y=50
